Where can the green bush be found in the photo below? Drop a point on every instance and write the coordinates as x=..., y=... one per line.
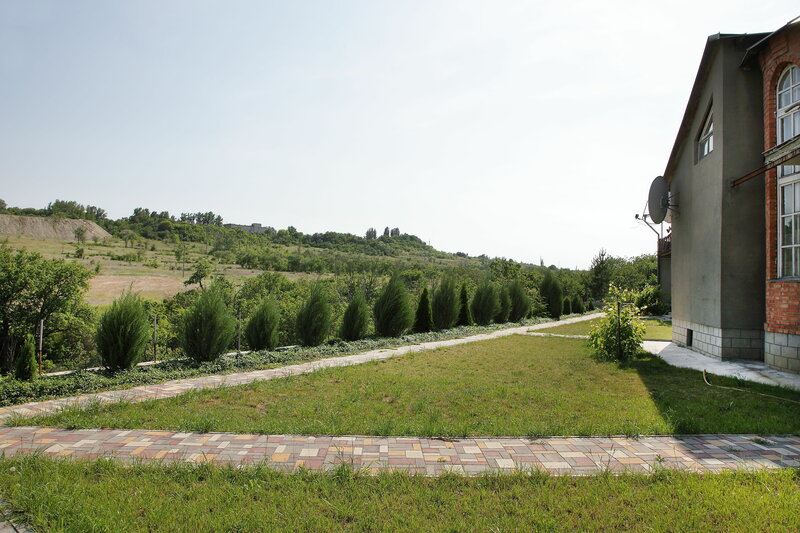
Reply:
x=261, y=331
x=566, y=306
x=445, y=304
x=26, y=368
x=577, y=304
x=392, y=311
x=356, y=319
x=649, y=300
x=123, y=332
x=423, y=322
x=504, y=309
x=485, y=304
x=314, y=318
x=208, y=327
x=553, y=294
x=520, y=301
x=464, y=313
x=619, y=333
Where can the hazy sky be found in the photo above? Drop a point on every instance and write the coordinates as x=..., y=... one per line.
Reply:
x=517, y=129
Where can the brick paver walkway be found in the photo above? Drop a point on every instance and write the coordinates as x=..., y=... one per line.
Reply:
x=176, y=387
x=429, y=456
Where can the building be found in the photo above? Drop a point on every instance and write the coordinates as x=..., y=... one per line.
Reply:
x=734, y=185
x=255, y=227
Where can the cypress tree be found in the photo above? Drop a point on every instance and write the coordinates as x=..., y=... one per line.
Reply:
x=392, y=312
x=445, y=304
x=313, y=321
x=356, y=319
x=423, y=322
x=520, y=301
x=504, y=310
x=261, y=331
x=208, y=327
x=464, y=314
x=566, y=307
x=26, y=366
x=553, y=294
x=485, y=304
x=577, y=304
x=123, y=332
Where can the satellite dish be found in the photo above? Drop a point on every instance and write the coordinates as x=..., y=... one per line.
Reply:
x=658, y=200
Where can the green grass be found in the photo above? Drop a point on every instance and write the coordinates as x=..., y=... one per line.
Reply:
x=516, y=385
x=79, y=496
x=655, y=329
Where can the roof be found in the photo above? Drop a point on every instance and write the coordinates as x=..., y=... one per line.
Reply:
x=699, y=82
x=752, y=51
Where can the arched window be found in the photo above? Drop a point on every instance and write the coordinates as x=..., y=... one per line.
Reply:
x=788, y=115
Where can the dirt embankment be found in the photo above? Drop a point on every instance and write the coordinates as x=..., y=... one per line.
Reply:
x=50, y=227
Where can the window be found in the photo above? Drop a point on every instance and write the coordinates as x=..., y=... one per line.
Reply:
x=790, y=229
x=789, y=175
x=705, y=144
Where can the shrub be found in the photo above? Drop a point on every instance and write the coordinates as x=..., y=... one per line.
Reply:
x=505, y=306
x=445, y=305
x=553, y=294
x=208, y=327
x=356, y=319
x=423, y=322
x=26, y=367
x=620, y=332
x=485, y=304
x=123, y=332
x=464, y=313
x=520, y=301
x=392, y=311
x=649, y=300
x=566, y=306
x=577, y=304
x=261, y=331
x=314, y=318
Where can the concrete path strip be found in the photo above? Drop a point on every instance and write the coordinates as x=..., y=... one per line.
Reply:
x=176, y=387
x=428, y=456
x=755, y=371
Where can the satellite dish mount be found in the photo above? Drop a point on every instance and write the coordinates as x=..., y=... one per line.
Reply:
x=660, y=202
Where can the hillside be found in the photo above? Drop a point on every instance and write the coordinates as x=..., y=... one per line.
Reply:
x=50, y=227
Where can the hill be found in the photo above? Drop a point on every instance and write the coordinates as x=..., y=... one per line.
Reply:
x=50, y=227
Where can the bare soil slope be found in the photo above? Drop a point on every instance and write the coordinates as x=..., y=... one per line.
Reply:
x=50, y=227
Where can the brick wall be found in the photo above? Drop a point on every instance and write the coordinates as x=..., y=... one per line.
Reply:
x=783, y=296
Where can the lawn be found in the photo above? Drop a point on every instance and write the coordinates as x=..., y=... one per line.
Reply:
x=656, y=330
x=58, y=495
x=514, y=386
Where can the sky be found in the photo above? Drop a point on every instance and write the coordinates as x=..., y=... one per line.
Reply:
x=519, y=129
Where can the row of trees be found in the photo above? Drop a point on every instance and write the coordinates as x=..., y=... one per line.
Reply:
x=208, y=326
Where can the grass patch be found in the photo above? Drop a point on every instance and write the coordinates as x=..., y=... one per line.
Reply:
x=655, y=329
x=517, y=385
x=62, y=495
x=14, y=392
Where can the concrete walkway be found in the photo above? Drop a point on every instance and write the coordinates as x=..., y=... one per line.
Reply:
x=176, y=387
x=742, y=369
x=428, y=456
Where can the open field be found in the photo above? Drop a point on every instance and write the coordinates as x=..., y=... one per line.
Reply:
x=517, y=385
x=59, y=495
x=656, y=330
x=155, y=275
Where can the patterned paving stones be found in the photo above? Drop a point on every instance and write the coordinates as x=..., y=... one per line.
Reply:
x=428, y=456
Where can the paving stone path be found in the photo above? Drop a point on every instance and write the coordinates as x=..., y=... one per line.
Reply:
x=176, y=387
x=428, y=456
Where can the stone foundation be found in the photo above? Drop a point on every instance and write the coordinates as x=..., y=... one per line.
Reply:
x=782, y=351
x=720, y=343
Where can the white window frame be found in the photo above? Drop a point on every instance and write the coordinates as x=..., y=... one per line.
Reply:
x=705, y=141
x=788, y=174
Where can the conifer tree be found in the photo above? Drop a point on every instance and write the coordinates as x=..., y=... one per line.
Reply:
x=392, y=312
x=445, y=304
x=356, y=319
x=464, y=314
x=423, y=321
x=485, y=304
